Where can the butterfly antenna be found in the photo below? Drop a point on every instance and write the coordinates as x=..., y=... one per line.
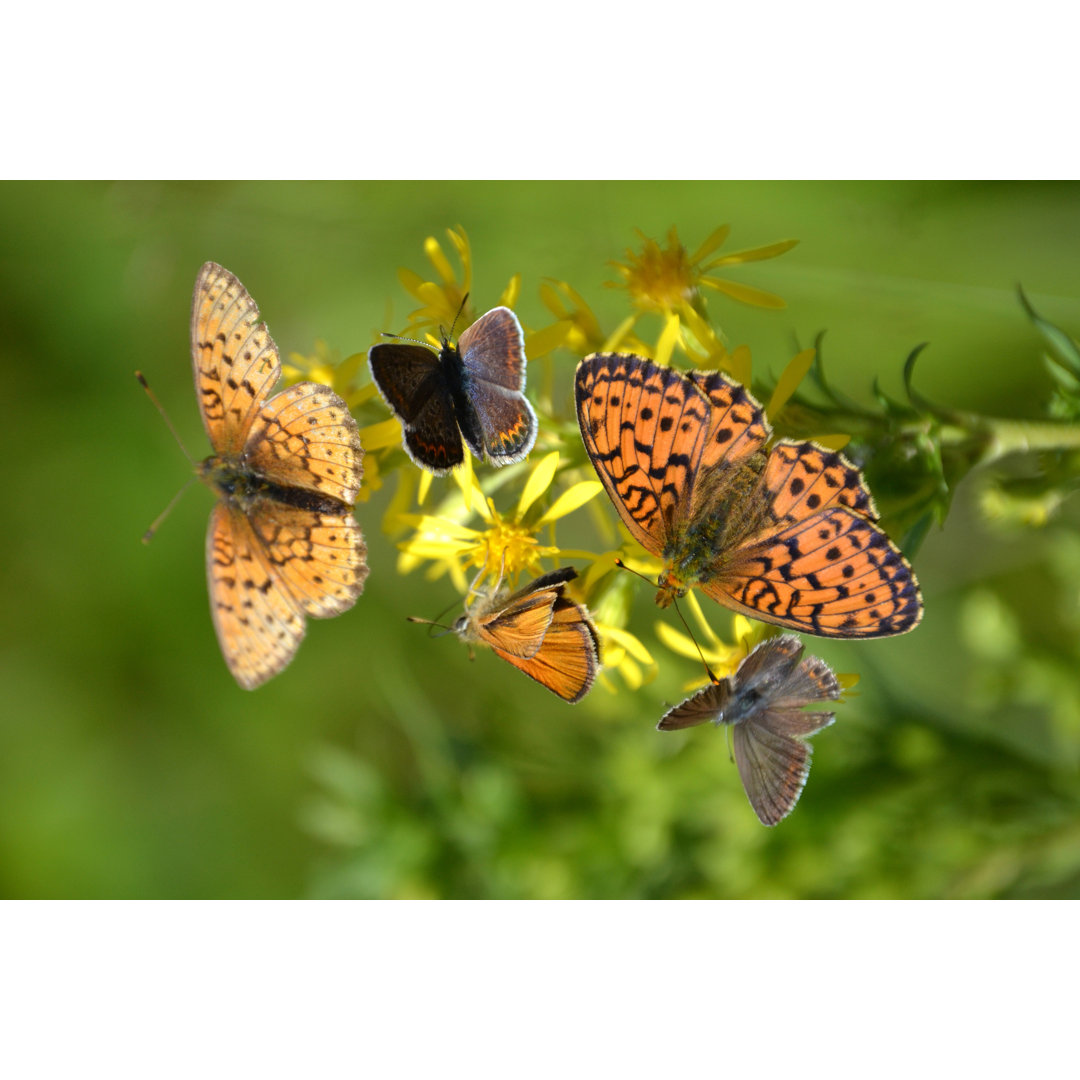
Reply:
x=164, y=415
x=149, y=534
x=432, y=623
x=411, y=340
x=682, y=618
x=464, y=301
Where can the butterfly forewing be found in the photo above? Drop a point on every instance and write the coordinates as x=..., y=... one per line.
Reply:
x=812, y=681
x=567, y=660
x=493, y=349
x=642, y=431
x=703, y=707
x=517, y=626
x=770, y=664
x=234, y=358
x=541, y=632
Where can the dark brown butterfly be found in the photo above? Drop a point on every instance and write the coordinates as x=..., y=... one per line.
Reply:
x=471, y=391
x=763, y=702
x=539, y=630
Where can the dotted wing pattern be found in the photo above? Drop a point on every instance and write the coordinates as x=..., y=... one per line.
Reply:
x=234, y=357
x=306, y=438
x=282, y=542
x=789, y=538
x=258, y=626
x=834, y=574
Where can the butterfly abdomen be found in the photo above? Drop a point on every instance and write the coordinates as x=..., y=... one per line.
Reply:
x=459, y=383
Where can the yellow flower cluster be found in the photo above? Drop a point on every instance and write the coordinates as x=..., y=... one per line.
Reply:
x=501, y=526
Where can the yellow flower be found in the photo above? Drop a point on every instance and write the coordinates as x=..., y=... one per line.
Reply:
x=667, y=280
x=507, y=545
x=441, y=300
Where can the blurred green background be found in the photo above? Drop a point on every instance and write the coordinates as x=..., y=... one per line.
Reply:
x=383, y=763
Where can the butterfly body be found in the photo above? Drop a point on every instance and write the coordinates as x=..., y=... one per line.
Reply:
x=763, y=703
x=471, y=391
x=787, y=535
x=540, y=630
x=282, y=543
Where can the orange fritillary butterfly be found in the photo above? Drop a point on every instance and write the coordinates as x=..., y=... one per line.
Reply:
x=282, y=543
x=539, y=630
x=788, y=536
x=763, y=702
x=471, y=391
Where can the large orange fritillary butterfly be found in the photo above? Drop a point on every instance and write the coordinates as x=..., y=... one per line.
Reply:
x=763, y=702
x=282, y=543
x=472, y=390
x=539, y=630
x=786, y=536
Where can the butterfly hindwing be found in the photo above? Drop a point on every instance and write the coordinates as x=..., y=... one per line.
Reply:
x=258, y=626
x=305, y=437
x=773, y=769
x=834, y=574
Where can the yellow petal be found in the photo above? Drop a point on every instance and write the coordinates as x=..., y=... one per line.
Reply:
x=424, y=488
x=665, y=345
x=847, y=679
x=438, y=526
x=464, y=477
x=714, y=240
x=410, y=280
x=789, y=381
x=553, y=301
x=631, y=674
x=832, y=442
x=432, y=549
x=675, y=640
x=569, y=501
x=512, y=292
x=745, y=294
x=541, y=342
x=767, y=251
x=620, y=331
x=539, y=481
x=739, y=365
x=442, y=265
x=379, y=436
x=627, y=640
x=692, y=603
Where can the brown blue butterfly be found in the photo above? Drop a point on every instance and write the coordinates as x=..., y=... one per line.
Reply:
x=471, y=391
x=763, y=702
